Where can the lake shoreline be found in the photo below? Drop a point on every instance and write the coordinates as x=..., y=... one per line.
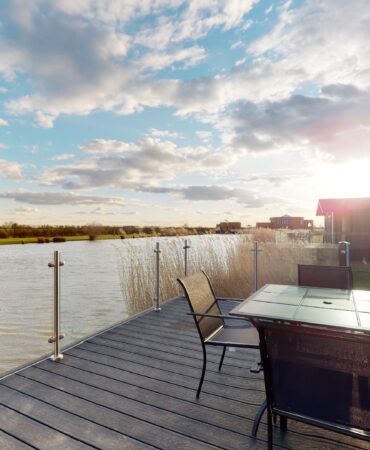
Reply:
x=47, y=240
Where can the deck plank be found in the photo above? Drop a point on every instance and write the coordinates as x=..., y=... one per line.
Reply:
x=133, y=387
x=8, y=442
x=33, y=433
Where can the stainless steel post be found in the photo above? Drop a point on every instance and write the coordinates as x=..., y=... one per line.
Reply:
x=345, y=249
x=348, y=260
x=157, y=251
x=255, y=250
x=186, y=248
x=332, y=229
x=57, y=356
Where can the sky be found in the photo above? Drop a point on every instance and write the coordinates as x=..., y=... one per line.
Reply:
x=171, y=112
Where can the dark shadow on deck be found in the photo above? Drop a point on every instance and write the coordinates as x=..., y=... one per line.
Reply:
x=133, y=387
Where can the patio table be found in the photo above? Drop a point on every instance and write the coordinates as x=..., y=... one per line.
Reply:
x=315, y=351
x=338, y=308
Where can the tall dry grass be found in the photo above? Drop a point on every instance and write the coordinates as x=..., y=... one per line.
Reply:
x=228, y=260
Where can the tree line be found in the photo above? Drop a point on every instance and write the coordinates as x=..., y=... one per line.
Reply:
x=16, y=230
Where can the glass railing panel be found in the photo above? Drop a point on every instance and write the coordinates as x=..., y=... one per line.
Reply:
x=26, y=301
x=278, y=262
x=92, y=294
x=227, y=260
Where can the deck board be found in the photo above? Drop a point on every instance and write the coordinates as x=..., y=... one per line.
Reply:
x=133, y=387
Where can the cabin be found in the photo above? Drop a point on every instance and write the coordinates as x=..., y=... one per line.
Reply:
x=287, y=222
x=347, y=219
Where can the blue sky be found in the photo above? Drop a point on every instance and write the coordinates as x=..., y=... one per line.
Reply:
x=181, y=112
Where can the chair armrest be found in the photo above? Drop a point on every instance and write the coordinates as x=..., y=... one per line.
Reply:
x=215, y=316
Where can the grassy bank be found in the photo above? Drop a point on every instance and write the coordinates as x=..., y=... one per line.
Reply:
x=35, y=240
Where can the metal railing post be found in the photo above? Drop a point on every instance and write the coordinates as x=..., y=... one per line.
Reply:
x=332, y=229
x=157, y=251
x=57, y=356
x=255, y=250
x=344, y=249
x=186, y=248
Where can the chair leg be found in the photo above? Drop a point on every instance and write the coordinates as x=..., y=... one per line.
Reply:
x=222, y=358
x=283, y=423
x=269, y=430
x=203, y=370
x=258, y=418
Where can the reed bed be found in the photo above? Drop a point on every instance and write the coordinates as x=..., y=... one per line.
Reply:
x=227, y=259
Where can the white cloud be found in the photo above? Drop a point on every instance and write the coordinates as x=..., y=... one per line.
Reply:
x=3, y=90
x=96, y=74
x=45, y=120
x=322, y=42
x=3, y=146
x=25, y=210
x=159, y=60
x=335, y=124
x=136, y=165
x=237, y=44
x=205, y=136
x=3, y=123
x=269, y=9
x=63, y=157
x=240, y=62
x=60, y=198
x=11, y=170
x=249, y=198
x=197, y=19
x=165, y=134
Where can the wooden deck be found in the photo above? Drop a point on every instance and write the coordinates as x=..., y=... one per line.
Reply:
x=133, y=387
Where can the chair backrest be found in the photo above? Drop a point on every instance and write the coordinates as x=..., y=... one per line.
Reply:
x=201, y=298
x=322, y=375
x=339, y=277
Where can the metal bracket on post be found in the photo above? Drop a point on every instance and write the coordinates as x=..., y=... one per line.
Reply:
x=186, y=248
x=57, y=356
x=255, y=250
x=156, y=297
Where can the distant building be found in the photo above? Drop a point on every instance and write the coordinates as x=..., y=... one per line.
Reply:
x=287, y=222
x=228, y=227
x=263, y=225
x=347, y=219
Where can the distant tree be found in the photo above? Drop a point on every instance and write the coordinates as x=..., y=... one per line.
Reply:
x=93, y=230
x=3, y=233
x=131, y=229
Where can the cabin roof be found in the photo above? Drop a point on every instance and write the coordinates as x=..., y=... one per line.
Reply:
x=342, y=206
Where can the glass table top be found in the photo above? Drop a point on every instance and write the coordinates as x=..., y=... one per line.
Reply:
x=320, y=306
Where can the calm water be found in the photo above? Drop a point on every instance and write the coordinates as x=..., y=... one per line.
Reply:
x=91, y=294
x=94, y=287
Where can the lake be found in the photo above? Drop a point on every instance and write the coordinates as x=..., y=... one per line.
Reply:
x=97, y=286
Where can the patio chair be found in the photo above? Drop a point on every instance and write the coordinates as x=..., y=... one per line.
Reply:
x=317, y=376
x=210, y=321
x=339, y=277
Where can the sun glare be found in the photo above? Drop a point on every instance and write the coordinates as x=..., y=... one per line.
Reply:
x=345, y=180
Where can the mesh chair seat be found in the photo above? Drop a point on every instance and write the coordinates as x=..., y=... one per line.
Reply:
x=243, y=336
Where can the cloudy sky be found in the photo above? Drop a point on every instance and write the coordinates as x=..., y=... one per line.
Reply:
x=181, y=112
